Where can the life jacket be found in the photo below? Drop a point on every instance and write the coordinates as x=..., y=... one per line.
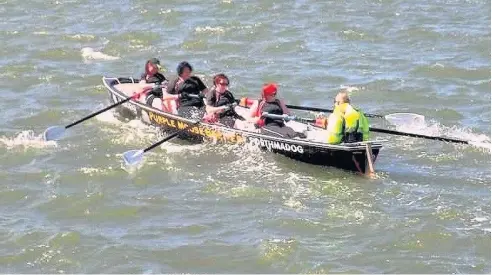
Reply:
x=347, y=124
x=273, y=107
x=246, y=102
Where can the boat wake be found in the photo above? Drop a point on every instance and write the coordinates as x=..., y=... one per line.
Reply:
x=27, y=139
x=128, y=132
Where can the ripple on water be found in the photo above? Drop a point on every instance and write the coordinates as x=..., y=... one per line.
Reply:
x=438, y=70
x=219, y=209
x=44, y=252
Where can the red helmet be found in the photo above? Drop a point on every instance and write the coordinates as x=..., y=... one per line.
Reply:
x=269, y=89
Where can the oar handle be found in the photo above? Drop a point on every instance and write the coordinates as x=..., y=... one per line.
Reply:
x=273, y=116
x=170, y=137
x=196, y=96
x=315, y=109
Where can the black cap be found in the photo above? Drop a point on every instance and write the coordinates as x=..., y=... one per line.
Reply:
x=154, y=61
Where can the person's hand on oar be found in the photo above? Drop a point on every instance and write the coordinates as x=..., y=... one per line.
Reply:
x=284, y=116
x=133, y=157
x=56, y=132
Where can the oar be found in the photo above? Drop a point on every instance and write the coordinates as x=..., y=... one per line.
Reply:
x=394, y=118
x=393, y=132
x=133, y=157
x=56, y=132
x=315, y=109
x=373, y=129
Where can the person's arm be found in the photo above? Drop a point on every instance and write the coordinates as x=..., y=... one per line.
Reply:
x=201, y=86
x=252, y=112
x=285, y=110
x=212, y=109
x=170, y=92
x=209, y=102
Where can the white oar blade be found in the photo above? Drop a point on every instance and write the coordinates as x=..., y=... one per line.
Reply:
x=54, y=133
x=133, y=157
x=406, y=119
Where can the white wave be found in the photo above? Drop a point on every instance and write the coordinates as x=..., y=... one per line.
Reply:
x=82, y=37
x=88, y=53
x=91, y=171
x=26, y=139
x=349, y=88
x=163, y=11
x=208, y=29
x=455, y=132
x=173, y=148
x=109, y=117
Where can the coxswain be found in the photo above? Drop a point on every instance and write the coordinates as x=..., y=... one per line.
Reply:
x=346, y=123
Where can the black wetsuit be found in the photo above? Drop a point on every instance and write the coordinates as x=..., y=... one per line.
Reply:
x=189, y=107
x=228, y=117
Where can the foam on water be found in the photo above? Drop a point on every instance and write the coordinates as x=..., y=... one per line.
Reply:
x=349, y=88
x=92, y=171
x=437, y=129
x=27, y=139
x=173, y=148
x=109, y=117
x=126, y=132
x=88, y=53
x=209, y=29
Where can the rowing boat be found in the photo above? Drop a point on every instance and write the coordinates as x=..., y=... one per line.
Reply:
x=357, y=157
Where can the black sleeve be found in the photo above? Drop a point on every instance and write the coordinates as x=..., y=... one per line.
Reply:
x=210, y=98
x=142, y=76
x=170, y=88
x=161, y=77
x=199, y=82
x=231, y=98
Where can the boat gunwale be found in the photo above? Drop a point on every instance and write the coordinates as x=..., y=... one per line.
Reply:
x=357, y=146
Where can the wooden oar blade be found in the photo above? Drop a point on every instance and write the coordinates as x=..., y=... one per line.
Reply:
x=54, y=133
x=133, y=157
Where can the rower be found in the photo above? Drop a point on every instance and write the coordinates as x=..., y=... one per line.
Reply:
x=346, y=123
x=176, y=94
x=152, y=72
x=152, y=75
x=218, y=102
x=269, y=103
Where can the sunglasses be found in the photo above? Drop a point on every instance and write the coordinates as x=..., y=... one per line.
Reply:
x=223, y=83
